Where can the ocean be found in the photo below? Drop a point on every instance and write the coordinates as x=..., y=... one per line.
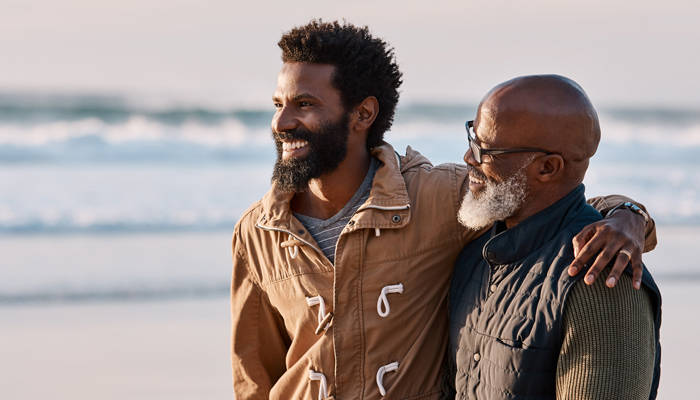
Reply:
x=109, y=204
x=75, y=166
x=98, y=164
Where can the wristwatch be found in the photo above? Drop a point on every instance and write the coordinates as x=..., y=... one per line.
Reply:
x=632, y=207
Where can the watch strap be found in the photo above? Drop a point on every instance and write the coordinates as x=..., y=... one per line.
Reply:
x=632, y=207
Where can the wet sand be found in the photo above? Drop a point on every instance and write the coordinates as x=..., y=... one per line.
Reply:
x=179, y=348
x=174, y=349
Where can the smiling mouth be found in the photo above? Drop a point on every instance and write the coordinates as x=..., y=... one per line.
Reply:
x=472, y=179
x=293, y=145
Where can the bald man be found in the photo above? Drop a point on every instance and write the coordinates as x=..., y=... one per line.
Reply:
x=521, y=326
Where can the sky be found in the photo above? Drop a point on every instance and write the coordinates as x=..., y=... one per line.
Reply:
x=224, y=52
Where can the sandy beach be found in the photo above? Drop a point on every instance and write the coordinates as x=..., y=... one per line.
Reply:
x=178, y=348
x=174, y=349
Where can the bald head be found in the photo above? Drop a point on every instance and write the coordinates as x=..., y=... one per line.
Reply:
x=551, y=129
x=544, y=111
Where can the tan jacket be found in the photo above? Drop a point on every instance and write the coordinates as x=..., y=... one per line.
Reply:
x=304, y=329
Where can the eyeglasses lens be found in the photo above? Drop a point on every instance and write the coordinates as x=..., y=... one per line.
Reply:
x=476, y=150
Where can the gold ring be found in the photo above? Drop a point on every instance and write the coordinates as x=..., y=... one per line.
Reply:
x=627, y=253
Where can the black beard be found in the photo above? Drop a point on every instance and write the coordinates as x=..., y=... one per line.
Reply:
x=328, y=147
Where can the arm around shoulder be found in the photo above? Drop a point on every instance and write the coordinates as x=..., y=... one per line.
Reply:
x=604, y=204
x=625, y=233
x=258, y=338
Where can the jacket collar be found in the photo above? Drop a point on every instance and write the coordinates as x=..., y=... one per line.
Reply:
x=388, y=193
x=525, y=238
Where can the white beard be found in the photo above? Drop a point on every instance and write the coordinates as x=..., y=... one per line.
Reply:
x=496, y=202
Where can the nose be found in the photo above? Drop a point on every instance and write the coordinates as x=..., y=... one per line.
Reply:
x=283, y=120
x=469, y=157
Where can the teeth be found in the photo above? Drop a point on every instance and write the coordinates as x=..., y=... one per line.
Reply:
x=297, y=144
x=474, y=180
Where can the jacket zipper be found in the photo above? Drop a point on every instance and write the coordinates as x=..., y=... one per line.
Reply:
x=396, y=208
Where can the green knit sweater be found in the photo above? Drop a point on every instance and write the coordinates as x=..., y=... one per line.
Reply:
x=609, y=343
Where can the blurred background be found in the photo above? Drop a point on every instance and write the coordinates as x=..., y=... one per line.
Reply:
x=134, y=133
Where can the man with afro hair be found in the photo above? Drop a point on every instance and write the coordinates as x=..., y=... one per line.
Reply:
x=341, y=271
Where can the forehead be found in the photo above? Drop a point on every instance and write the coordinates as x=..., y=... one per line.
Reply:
x=498, y=126
x=296, y=79
x=485, y=125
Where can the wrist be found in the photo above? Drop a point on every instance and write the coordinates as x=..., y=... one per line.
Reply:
x=631, y=207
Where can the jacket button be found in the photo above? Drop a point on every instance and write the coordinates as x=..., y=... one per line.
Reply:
x=494, y=288
x=491, y=255
x=396, y=219
x=351, y=223
x=301, y=231
x=477, y=357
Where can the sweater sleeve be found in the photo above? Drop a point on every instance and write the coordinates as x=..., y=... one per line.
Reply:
x=608, y=346
x=259, y=341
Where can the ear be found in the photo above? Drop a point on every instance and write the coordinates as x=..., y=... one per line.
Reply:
x=364, y=114
x=549, y=167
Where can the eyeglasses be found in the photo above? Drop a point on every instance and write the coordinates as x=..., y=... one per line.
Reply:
x=479, y=152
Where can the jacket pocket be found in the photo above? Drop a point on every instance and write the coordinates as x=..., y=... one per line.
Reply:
x=520, y=370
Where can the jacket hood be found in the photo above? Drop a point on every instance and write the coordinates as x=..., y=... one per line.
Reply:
x=413, y=159
x=388, y=188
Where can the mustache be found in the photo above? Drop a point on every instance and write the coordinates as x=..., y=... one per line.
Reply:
x=296, y=134
x=475, y=172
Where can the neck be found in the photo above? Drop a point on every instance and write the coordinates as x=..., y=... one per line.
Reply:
x=329, y=193
x=544, y=198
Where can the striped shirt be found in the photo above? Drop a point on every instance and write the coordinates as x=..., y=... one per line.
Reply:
x=326, y=232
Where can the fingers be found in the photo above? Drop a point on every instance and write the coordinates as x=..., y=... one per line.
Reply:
x=620, y=264
x=625, y=257
x=604, y=258
x=637, y=267
x=591, y=240
x=607, y=239
x=579, y=242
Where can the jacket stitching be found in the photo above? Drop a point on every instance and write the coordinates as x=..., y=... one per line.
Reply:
x=253, y=207
x=360, y=312
x=412, y=254
x=507, y=371
x=243, y=256
x=471, y=349
x=425, y=394
x=493, y=389
x=526, y=294
x=288, y=277
x=257, y=344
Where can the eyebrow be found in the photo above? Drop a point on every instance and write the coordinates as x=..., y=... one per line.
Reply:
x=298, y=97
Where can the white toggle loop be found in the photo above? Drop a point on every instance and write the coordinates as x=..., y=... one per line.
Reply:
x=383, y=300
x=380, y=375
x=293, y=253
x=377, y=231
x=323, y=389
x=318, y=300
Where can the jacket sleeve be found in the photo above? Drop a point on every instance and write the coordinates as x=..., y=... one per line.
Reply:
x=258, y=338
x=608, y=348
x=607, y=203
